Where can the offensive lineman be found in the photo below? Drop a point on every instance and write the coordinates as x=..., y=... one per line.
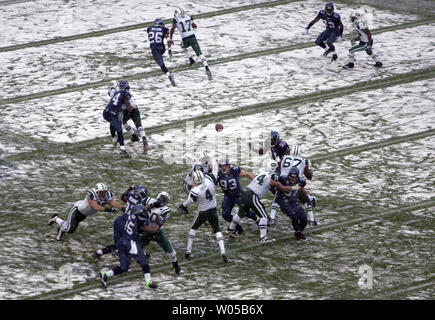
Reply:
x=365, y=40
x=95, y=200
x=184, y=23
x=203, y=192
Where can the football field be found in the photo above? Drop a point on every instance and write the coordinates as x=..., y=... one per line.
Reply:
x=369, y=134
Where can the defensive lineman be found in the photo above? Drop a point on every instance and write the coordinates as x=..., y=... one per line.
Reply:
x=364, y=36
x=203, y=192
x=184, y=23
x=95, y=200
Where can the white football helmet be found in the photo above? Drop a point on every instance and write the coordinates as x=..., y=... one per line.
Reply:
x=101, y=187
x=354, y=17
x=197, y=177
x=179, y=12
x=163, y=197
x=296, y=150
x=272, y=165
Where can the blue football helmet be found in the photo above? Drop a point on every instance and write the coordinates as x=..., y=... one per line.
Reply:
x=293, y=175
x=140, y=191
x=123, y=85
x=137, y=209
x=274, y=138
x=159, y=22
x=329, y=8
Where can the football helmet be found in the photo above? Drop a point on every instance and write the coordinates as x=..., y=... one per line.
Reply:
x=354, y=17
x=297, y=150
x=137, y=209
x=224, y=166
x=163, y=197
x=272, y=165
x=197, y=177
x=179, y=12
x=140, y=191
x=329, y=8
x=123, y=85
x=274, y=138
x=101, y=187
x=159, y=22
x=293, y=175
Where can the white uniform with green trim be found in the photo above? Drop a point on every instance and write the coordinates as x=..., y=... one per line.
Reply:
x=163, y=212
x=358, y=26
x=289, y=162
x=184, y=25
x=204, y=194
x=261, y=183
x=84, y=207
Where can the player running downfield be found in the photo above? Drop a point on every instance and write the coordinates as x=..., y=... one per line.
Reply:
x=203, y=192
x=364, y=36
x=334, y=29
x=185, y=25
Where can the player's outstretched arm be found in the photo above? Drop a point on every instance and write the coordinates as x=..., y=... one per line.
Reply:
x=115, y=204
x=244, y=173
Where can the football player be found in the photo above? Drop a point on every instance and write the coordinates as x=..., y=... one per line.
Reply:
x=289, y=201
x=304, y=169
x=203, y=192
x=184, y=23
x=156, y=218
x=251, y=199
x=128, y=247
x=334, y=29
x=95, y=200
x=156, y=34
x=113, y=112
x=364, y=36
x=228, y=179
x=134, y=115
x=203, y=164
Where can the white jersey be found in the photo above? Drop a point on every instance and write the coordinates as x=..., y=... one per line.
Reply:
x=205, y=193
x=112, y=91
x=206, y=168
x=261, y=183
x=163, y=212
x=84, y=206
x=359, y=25
x=289, y=162
x=184, y=25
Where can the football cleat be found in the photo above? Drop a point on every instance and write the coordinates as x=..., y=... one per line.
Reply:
x=265, y=239
x=187, y=255
x=191, y=61
x=134, y=137
x=271, y=222
x=378, y=64
x=98, y=256
x=299, y=235
x=239, y=229
x=125, y=153
x=145, y=144
x=59, y=235
x=350, y=65
x=52, y=219
x=150, y=285
x=334, y=57
x=224, y=258
x=232, y=233
x=177, y=268
x=171, y=78
x=312, y=222
x=207, y=70
x=103, y=278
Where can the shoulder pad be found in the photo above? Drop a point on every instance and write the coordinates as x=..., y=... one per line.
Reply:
x=273, y=176
x=336, y=15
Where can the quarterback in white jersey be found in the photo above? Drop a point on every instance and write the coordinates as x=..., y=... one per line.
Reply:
x=185, y=25
x=365, y=39
x=95, y=200
x=203, y=192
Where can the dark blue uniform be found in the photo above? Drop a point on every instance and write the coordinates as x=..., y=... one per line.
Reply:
x=113, y=113
x=127, y=244
x=155, y=36
x=289, y=204
x=231, y=188
x=333, y=29
x=132, y=200
x=279, y=150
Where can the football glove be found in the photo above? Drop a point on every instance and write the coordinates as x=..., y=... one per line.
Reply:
x=170, y=53
x=183, y=208
x=305, y=32
x=111, y=210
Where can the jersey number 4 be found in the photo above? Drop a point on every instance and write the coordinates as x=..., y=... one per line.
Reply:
x=208, y=195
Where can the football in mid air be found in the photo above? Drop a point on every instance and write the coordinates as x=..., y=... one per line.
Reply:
x=219, y=127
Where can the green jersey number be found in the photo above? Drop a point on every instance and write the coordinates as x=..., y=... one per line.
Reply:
x=288, y=162
x=260, y=179
x=208, y=195
x=182, y=25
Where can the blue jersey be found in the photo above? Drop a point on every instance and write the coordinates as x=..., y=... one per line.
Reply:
x=332, y=22
x=156, y=35
x=117, y=100
x=132, y=200
x=230, y=183
x=131, y=227
x=293, y=195
x=279, y=150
